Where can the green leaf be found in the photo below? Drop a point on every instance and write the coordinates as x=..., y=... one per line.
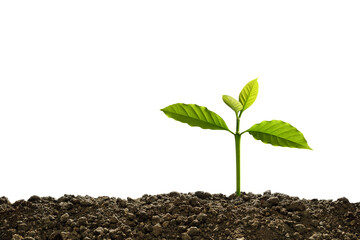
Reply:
x=248, y=94
x=232, y=103
x=195, y=116
x=278, y=133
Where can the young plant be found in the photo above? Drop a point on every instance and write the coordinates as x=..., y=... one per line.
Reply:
x=275, y=132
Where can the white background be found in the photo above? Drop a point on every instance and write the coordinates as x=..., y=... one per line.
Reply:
x=82, y=84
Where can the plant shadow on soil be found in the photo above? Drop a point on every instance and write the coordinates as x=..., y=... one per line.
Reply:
x=184, y=216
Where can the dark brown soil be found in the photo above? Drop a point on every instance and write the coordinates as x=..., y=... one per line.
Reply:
x=175, y=215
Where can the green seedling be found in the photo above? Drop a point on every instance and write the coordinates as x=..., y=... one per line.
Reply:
x=275, y=132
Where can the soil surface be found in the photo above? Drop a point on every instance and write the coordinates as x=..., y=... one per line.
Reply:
x=198, y=215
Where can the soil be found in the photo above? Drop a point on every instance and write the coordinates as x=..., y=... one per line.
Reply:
x=198, y=215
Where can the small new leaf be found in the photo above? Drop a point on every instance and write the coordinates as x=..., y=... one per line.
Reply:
x=248, y=94
x=278, y=133
x=195, y=116
x=232, y=103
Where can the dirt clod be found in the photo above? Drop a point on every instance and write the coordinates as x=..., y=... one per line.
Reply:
x=191, y=216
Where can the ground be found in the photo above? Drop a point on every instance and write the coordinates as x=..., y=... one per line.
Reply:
x=184, y=216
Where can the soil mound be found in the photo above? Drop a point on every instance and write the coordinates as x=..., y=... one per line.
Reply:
x=198, y=215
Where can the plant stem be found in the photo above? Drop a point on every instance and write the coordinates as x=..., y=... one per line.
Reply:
x=237, y=153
